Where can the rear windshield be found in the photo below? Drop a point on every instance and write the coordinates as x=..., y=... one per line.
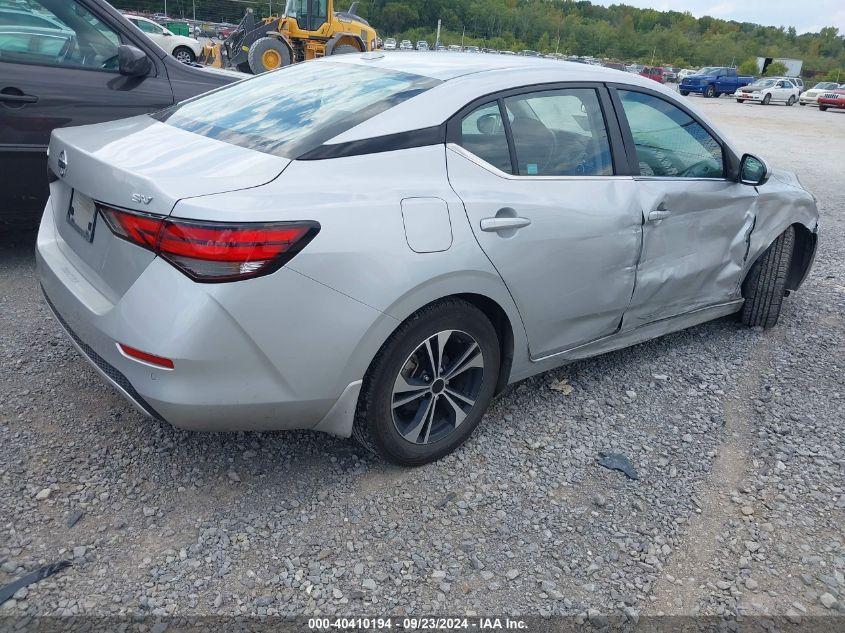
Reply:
x=291, y=111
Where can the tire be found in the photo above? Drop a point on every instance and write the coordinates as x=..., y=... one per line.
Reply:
x=791, y=101
x=801, y=103
x=823, y=108
x=740, y=100
x=765, y=286
x=767, y=100
x=684, y=93
x=184, y=55
x=268, y=54
x=394, y=432
x=710, y=92
x=345, y=49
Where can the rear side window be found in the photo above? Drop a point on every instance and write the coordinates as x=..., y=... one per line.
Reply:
x=559, y=133
x=294, y=110
x=483, y=134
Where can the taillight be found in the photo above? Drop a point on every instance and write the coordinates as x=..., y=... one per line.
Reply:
x=213, y=251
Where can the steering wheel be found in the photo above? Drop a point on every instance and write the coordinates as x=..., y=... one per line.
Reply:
x=701, y=169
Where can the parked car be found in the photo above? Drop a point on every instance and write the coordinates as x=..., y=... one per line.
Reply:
x=472, y=49
x=184, y=49
x=390, y=44
x=454, y=48
x=714, y=81
x=507, y=53
x=798, y=82
x=685, y=72
x=832, y=99
x=670, y=75
x=767, y=90
x=529, y=53
x=811, y=96
x=422, y=45
x=82, y=63
x=406, y=45
x=208, y=291
x=655, y=73
x=440, y=48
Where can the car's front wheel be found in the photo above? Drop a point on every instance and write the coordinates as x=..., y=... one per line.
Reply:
x=684, y=93
x=791, y=101
x=710, y=92
x=823, y=108
x=767, y=100
x=765, y=286
x=429, y=385
x=740, y=100
x=184, y=55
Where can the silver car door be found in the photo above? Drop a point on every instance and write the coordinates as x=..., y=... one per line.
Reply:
x=549, y=208
x=696, y=222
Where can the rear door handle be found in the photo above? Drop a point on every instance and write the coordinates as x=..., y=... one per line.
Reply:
x=492, y=225
x=18, y=98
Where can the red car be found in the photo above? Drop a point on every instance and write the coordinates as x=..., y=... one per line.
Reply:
x=653, y=72
x=832, y=99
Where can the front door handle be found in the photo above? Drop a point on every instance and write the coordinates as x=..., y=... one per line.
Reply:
x=660, y=213
x=492, y=225
x=13, y=98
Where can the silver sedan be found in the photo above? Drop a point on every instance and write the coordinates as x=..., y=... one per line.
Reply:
x=376, y=245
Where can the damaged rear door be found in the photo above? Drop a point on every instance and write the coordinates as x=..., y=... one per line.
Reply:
x=696, y=222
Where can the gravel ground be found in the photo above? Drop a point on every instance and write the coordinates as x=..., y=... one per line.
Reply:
x=737, y=436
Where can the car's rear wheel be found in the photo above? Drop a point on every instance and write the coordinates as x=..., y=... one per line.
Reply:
x=765, y=286
x=429, y=385
x=184, y=55
x=791, y=101
x=710, y=92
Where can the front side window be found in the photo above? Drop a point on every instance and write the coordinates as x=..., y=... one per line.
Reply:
x=148, y=27
x=56, y=33
x=294, y=110
x=669, y=142
x=559, y=133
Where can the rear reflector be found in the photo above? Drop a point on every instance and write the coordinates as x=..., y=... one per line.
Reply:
x=152, y=359
x=213, y=251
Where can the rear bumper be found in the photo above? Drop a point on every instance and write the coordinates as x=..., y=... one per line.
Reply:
x=275, y=353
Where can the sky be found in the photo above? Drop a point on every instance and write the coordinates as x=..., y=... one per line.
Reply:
x=805, y=16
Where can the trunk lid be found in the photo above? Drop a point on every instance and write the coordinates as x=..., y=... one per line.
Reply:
x=138, y=164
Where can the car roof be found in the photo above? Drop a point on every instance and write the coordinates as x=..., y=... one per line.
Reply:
x=453, y=65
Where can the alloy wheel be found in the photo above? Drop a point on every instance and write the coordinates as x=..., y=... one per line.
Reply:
x=437, y=387
x=183, y=56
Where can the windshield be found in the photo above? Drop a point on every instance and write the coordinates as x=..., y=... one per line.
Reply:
x=292, y=111
x=763, y=83
x=827, y=85
x=710, y=70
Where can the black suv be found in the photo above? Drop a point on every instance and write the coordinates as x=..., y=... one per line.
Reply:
x=74, y=62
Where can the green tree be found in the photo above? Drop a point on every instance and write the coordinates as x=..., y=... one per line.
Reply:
x=776, y=69
x=748, y=67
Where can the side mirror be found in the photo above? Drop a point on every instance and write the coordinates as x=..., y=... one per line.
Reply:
x=754, y=171
x=133, y=62
x=167, y=33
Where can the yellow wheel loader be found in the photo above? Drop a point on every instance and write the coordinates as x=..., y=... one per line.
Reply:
x=306, y=30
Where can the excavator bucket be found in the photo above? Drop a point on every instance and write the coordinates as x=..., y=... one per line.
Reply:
x=212, y=55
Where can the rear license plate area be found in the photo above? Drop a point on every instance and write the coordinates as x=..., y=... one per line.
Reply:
x=82, y=215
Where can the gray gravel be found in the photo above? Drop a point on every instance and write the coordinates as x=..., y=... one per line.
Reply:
x=737, y=437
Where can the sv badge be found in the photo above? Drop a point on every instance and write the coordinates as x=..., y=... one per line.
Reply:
x=141, y=198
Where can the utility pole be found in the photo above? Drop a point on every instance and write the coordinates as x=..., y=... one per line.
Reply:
x=462, y=38
x=557, y=46
x=195, y=10
x=437, y=43
x=165, y=7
